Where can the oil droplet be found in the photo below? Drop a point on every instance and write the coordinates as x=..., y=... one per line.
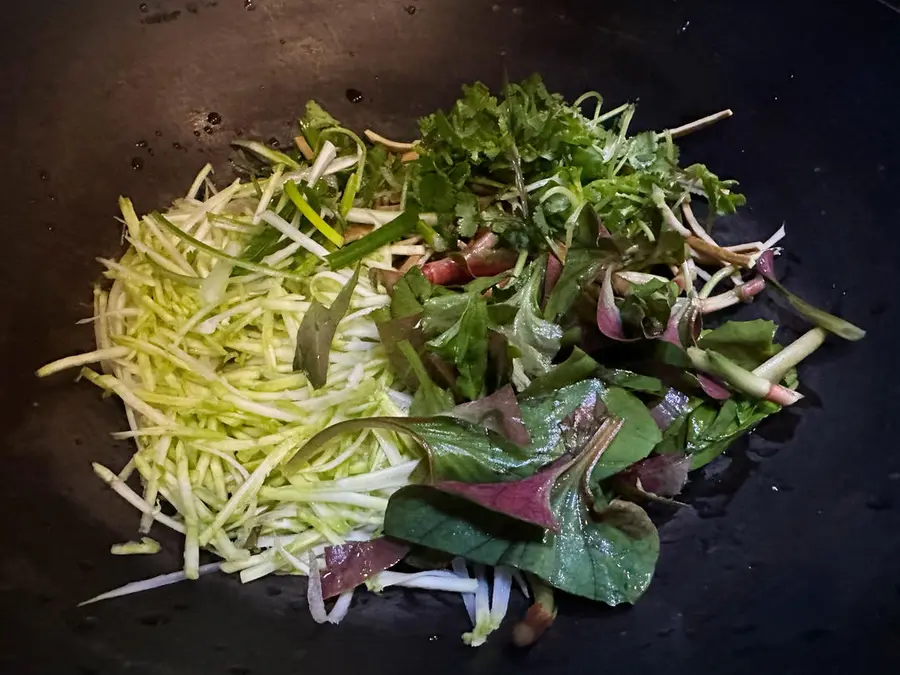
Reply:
x=410, y=9
x=354, y=95
x=214, y=118
x=249, y=6
x=43, y=175
x=274, y=142
x=137, y=163
x=143, y=7
x=141, y=144
x=878, y=503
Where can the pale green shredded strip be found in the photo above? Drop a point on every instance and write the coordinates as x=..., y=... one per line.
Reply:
x=214, y=407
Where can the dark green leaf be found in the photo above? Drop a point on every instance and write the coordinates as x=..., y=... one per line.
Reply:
x=410, y=293
x=636, y=439
x=465, y=345
x=581, y=266
x=461, y=451
x=747, y=343
x=317, y=331
x=609, y=558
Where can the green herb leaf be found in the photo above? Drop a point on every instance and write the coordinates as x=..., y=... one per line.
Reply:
x=317, y=331
x=315, y=119
x=536, y=340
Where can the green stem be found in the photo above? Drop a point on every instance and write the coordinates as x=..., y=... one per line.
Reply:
x=777, y=367
x=715, y=280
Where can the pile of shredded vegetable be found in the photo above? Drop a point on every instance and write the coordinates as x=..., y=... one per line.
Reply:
x=478, y=354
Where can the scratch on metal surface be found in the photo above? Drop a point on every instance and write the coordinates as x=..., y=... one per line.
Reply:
x=893, y=8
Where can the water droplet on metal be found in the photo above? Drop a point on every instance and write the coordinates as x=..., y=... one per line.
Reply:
x=208, y=129
x=141, y=144
x=410, y=9
x=43, y=175
x=137, y=163
x=354, y=95
x=157, y=133
x=249, y=6
x=214, y=118
x=143, y=7
x=177, y=146
x=274, y=142
x=196, y=132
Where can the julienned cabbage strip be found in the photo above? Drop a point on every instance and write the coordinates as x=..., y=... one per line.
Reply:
x=214, y=405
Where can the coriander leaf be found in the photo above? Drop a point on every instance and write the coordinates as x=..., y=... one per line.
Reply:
x=316, y=332
x=719, y=193
x=315, y=119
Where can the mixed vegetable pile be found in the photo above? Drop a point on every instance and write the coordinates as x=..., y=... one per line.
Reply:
x=477, y=355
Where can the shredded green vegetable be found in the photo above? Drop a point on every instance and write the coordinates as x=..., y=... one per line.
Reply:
x=214, y=404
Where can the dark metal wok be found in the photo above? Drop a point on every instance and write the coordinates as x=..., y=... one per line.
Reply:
x=790, y=561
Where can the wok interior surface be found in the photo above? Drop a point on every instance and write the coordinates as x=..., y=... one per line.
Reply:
x=789, y=560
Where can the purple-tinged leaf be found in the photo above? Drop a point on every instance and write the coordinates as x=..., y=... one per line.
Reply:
x=498, y=412
x=351, y=563
x=661, y=475
x=551, y=277
x=684, y=324
x=609, y=319
x=765, y=263
x=713, y=387
x=526, y=499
